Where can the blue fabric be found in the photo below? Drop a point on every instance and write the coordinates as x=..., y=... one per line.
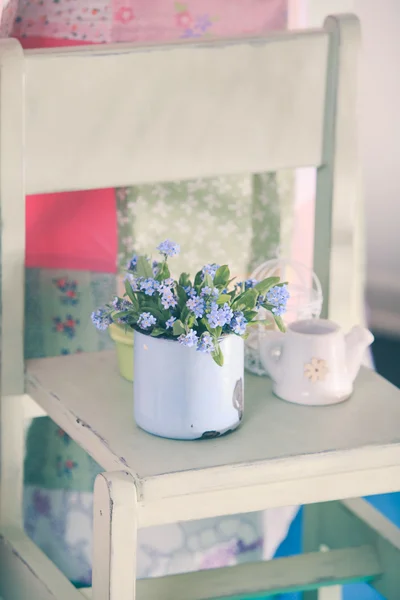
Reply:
x=388, y=504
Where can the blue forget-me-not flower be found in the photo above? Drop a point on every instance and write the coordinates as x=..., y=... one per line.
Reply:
x=170, y=322
x=146, y=320
x=210, y=270
x=218, y=317
x=238, y=323
x=169, y=248
x=101, y=318
x=149, y=286
x=278, y=297
x=197, y=306
x=189, y=339
x=205, y=344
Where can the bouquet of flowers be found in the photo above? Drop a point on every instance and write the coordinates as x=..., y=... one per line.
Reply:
x=195, y=313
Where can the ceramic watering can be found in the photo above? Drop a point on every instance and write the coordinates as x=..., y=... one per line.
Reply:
x=314, y=362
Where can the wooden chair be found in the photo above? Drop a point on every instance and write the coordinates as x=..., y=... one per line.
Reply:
x=186, y=111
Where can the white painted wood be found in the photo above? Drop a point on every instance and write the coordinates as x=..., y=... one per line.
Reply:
x=115, y=537
x=251, y=106
x=27, y=574
x=294, y=105
x=12, y=448
x=311, y=535
x=280, y=446
x=31, y=408
x=12, y=214
x=331, y=593
x=277, y=575
x=308, y=489
x=338, y=252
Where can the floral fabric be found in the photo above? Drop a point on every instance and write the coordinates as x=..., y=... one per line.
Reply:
x=58, y=304
x=60, y=522
x=146, y=20
x=8, y=11
x=236, y=220
x=247, y=216
x=241, y=220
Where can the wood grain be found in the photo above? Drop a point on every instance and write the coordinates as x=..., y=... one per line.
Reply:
x=278, y=442
x=180, y=111
x=259, y=580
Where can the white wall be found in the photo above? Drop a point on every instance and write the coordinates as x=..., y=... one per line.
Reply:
x=379, y=146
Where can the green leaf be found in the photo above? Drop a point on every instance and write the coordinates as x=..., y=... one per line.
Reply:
x=182, y=298
x=120, y=314
x=206, y=324
x=217, y=354
x=280, y=323
x=185, y=314
x=153, y=310
x=131, y=319
x=157, y=331
x=163, y=272
x=224, y=298
x=259, y=322
x=184, y=280
x=178, y=328
x=198, y=280
x=222, y=276
x=246, y=301
x=190, y=321
x=217, y=332
x=249, y=315
x=263, y=286
x=143, y=267
x=208, y=281
x=129, y=291
x=268, y=307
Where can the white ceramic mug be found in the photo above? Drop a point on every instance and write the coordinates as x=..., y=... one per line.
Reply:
x=183, y=394
x=314, y=362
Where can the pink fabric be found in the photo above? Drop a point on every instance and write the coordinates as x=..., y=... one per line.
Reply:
x=147, y=20
x=43, y=42
x=74, y=230
x=303, y=234
x=8, y=11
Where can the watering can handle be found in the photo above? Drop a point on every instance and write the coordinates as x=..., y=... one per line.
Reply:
x=270, y=353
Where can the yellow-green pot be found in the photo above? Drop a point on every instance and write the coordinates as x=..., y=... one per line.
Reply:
x=124, y=344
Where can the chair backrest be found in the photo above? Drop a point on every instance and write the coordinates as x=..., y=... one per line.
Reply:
x=93, y=117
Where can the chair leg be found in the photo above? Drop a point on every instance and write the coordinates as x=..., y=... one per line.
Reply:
x=356, y=522
x=313, y=542
x=12, y=461
x=311, y=539
x=114, y=537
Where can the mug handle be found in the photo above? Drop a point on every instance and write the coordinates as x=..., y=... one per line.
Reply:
x=271, y=346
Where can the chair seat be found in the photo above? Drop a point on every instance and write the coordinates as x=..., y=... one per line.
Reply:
x=288, y=453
